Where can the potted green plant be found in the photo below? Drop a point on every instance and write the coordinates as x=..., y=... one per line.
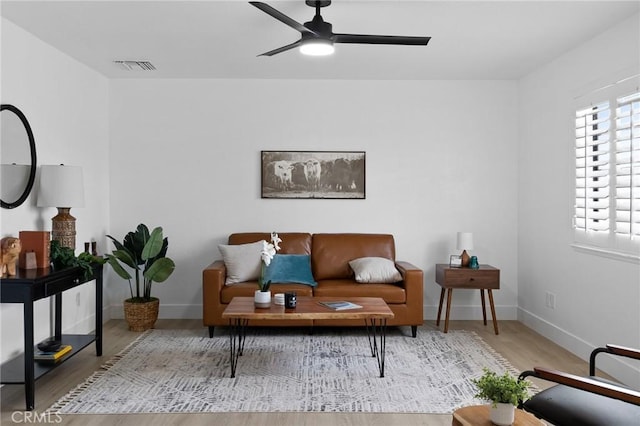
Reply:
x=65, y=257
x=504, y=392
x=262, y=296
x=145, y=253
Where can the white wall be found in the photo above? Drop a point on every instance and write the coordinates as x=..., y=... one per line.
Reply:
x=66, y=105
x=597, y=298
x=440, y=158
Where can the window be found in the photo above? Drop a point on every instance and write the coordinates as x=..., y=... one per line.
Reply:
x=627, y=163
x=607, y=154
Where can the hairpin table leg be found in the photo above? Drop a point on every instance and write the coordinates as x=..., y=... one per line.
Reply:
x=237, y=334
x=377, y=328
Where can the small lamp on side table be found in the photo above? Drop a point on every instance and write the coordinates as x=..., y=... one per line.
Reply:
x=465, y=242
x=62, y=187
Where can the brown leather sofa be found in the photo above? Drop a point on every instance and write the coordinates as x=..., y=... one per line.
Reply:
x=330, y=256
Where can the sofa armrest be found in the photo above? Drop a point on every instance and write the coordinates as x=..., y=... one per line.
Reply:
x=413, y=280
x=213, y=278
x=215, y=274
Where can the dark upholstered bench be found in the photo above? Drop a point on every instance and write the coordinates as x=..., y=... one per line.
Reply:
x=585, y=401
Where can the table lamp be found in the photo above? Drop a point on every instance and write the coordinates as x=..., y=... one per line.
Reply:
x=465, y=242
x=62, y=187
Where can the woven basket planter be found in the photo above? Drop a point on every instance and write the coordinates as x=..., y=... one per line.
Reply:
x=141, y=316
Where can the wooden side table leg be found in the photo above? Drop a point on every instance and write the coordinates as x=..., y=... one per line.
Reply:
x=493, y=312
x=446, y=318
x=440, y=307
x=484, y=307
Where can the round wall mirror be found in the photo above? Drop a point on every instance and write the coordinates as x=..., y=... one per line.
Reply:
x=17, y=157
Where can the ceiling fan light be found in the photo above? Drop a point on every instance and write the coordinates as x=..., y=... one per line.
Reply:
x=317, y=48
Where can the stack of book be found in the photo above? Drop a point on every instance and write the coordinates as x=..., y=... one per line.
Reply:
x=52, y=357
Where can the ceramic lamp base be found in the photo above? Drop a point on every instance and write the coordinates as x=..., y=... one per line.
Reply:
x=465, y=259
x=63, y=228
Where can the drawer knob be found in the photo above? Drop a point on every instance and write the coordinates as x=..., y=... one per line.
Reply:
x=472, y=279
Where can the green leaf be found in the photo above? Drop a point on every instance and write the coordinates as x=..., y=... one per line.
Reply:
x=111, y=260
x=160, y=270
x=153, y=245
x=134, y=242
x=504, y=389
x=116, y=243
x=125, y=257
x=144, y=252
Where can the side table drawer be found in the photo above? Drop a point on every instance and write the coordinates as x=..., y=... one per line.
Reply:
x=470, y=278
x=62, y=284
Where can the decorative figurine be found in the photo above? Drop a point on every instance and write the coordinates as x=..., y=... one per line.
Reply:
x=10, y=251
x=473, y=263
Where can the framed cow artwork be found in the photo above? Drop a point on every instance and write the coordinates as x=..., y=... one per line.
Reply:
x=313, y=174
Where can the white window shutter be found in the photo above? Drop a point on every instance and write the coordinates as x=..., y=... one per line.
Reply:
x=592, y=146
x=627, y=165
x=607, y=166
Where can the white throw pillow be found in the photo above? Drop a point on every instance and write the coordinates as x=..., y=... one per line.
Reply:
x=375, y=270
x=242, y=261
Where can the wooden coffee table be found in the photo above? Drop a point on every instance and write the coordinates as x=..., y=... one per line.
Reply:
x=374, y=313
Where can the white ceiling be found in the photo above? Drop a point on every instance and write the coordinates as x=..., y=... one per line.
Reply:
x=220, y=39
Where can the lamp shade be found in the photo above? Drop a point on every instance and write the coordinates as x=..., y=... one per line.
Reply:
x=465, y=241
x=61, y=186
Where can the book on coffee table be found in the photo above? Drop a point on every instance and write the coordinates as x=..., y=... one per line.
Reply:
x=340, y=305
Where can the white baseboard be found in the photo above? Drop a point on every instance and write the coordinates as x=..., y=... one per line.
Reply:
x=617, y=367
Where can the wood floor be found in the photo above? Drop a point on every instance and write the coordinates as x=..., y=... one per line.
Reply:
x=518, y=344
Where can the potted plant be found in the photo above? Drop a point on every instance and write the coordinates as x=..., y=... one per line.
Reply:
x=145, y=253
x=262, y=296
x=65, y=257
x=504, y=392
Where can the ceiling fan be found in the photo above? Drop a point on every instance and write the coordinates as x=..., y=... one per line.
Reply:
x=318, y=37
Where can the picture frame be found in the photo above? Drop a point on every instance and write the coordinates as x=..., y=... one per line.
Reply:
x=313, y=174
x=455, y=261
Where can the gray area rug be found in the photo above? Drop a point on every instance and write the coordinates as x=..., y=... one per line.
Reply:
x=185, y=371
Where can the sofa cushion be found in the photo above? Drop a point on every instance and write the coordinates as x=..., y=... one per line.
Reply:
x=242, y=261
x=290, y=268
x=292, y=242
x=390, y=293
x=375, y=270
x=331, y=253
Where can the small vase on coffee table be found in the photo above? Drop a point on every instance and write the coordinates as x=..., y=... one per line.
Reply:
x=262, y=299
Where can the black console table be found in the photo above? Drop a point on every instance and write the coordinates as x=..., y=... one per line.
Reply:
x=35, y=284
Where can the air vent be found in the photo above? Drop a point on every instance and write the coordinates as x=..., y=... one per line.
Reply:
x=135, y=65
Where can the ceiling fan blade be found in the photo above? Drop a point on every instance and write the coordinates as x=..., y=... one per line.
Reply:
x=281, y=49
x=282, y=17
x=380, y=39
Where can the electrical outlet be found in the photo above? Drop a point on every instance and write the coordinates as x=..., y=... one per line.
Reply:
x=77, y=299
x=550, y=300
